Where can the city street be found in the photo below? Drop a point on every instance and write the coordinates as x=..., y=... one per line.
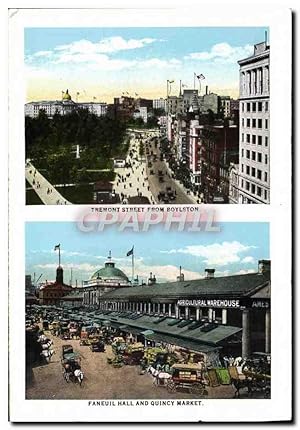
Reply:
x=163, y=182
x=102, y=380
x=132, y=181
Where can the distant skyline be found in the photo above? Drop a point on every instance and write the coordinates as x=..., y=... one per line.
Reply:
x=104, y=62
x=236, y=249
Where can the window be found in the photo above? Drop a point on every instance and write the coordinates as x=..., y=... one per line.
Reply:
x=253, y=139
x=242, y=183
x=242, y=104
x=259, y=106
x=253, y=155
x=266, y=159
x=248, y=107
x=242, y=152
x=242, y=168
x=266, y=106
x=259, y=123
x=259, y=157
x=248, y=154
x=259, y=140
x=254, y=107
x=247, y=185
x=266, y=124
x=254, y=123
x=253, y=172
x=266, y=141
x=266, y=177
x=248, y=170
x=248, y=138
x=248, y=122
x=258, y=190
x=259, y=174
x=242, y=137
x=266, y=195
x=243, y=122
x=252, y=188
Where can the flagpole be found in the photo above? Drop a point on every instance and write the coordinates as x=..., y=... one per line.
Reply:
x=132, y=260
x=59, y=256
x=194, y=80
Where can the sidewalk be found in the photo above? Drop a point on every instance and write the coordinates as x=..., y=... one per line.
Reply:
x=130, y=181
x=46, y=192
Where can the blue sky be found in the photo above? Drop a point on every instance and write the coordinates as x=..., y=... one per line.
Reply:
x=235, y=249
x=104, y=62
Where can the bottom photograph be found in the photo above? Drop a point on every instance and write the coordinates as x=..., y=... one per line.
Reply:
x=147, y=315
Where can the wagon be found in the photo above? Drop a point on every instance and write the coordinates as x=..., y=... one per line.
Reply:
x=187, y=376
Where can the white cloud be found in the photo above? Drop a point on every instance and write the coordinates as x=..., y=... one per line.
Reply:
x=217, y=254
x=167, y=273
x=222, y=52
x=248, y=260
x=244, y=272
x=81, y=267
x=43, y=54
x=97, y=56
x=105, y=46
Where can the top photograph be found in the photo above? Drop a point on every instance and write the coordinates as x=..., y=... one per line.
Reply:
x=147, y=115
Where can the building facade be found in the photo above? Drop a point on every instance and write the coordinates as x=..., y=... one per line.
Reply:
x=254, y=156
x=51, y=293
x=63, y=107
x=237, y=303
x=105, y=279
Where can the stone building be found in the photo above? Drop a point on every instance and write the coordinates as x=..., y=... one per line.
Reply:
x=254, y=156
x=237, y=303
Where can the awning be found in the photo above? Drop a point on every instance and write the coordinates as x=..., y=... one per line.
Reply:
x=129, y=329
x=184, y=343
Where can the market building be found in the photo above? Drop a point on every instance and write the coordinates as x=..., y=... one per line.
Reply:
x=232, y=312
x=106, y=279
x=51, y=293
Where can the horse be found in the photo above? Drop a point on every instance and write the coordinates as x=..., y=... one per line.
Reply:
x=47, y=354
x=76, y=375
x=159, y=377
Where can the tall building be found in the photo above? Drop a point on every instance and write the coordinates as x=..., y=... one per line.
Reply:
x=254, y=155
x=160, y=104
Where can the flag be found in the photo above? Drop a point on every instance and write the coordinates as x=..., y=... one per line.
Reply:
x=184, y=86
x=170, y=82
x=57, y=247
x=94, y=98
x=130, y=252
x=200, y=76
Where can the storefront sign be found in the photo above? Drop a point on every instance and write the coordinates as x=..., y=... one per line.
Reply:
x=227, y=303
x=208, y=303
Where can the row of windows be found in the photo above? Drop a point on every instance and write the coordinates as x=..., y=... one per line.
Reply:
x=255, y=106
x=254, y=156
x=254, y=189
x=255, y=173
x=255, y=139
x=255, y=123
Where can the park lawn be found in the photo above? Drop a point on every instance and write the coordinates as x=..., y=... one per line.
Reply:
x=31, y=196
x=78, y=194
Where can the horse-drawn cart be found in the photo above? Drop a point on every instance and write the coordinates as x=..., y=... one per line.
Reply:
x=71, y=364
x=187, y=376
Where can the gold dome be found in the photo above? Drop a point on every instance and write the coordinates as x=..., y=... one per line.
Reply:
x=67, y=96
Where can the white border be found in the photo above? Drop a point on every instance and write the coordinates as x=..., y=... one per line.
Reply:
x=278, y=213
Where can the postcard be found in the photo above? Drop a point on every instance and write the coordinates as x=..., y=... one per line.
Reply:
x=149, y=215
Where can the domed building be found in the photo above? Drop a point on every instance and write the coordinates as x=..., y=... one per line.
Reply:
x=105, y=279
